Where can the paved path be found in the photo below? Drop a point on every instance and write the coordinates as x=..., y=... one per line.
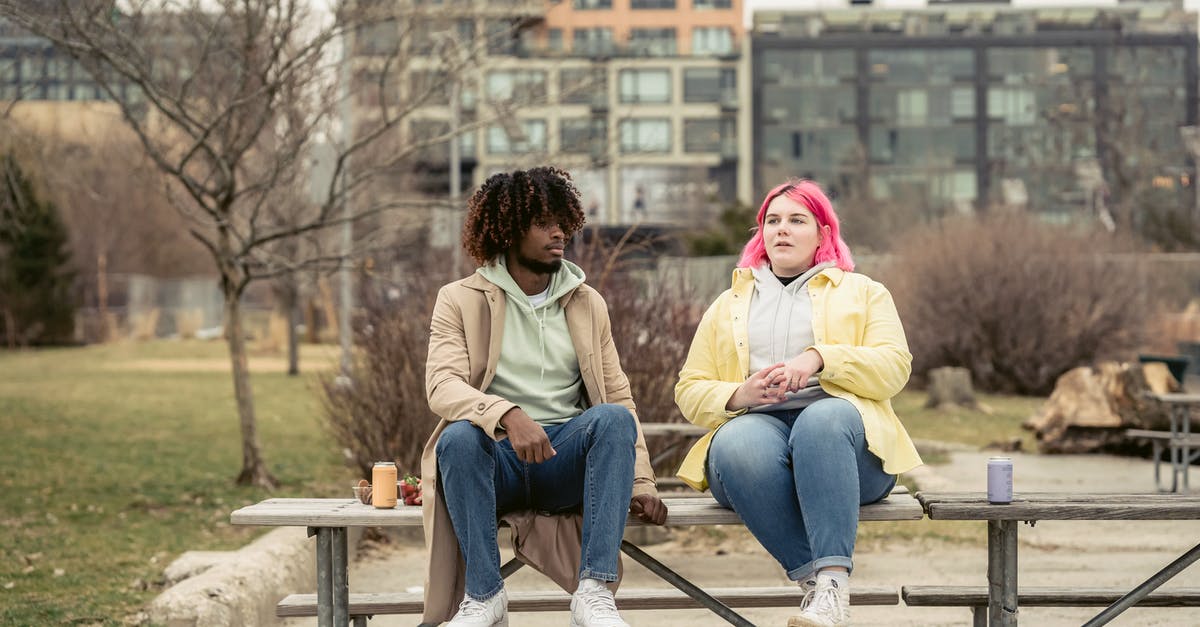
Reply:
x=1052, y=553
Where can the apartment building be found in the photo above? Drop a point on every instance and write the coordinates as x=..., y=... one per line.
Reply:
x=960, y=106
x=33, y=69
x=643, y=101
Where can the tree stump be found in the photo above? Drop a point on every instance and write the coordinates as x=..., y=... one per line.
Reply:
x=1091, y=407
x=951, y=387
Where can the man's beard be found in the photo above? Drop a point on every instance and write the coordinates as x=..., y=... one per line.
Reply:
x=539, y=267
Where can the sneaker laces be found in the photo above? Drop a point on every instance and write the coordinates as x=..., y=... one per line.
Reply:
x=809, y=588
x=826, y=601
x=471, y=607
x=601, y=603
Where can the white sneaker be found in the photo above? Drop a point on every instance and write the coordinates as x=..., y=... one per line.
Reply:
x=491, y=612
x=827, y=605
x=808, y=587
x=593, y=605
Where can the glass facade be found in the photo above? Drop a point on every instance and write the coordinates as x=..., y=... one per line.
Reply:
x=907, y=111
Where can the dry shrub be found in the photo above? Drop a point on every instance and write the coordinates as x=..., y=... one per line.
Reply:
x=1016, y=301
x=652, y=324
x=380, y=412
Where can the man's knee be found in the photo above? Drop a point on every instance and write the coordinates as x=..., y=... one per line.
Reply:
x=461, y=438
x=615, y=420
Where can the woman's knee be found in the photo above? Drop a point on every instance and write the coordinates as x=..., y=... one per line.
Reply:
x=825, y=419
x=747, y=447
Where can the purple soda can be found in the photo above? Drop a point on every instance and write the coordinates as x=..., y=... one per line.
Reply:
x=1000, y=480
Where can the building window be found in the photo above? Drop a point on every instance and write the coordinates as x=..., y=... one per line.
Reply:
x=645, y=86
x=554, y=40
x=523, y=86
x=579, y=135
x=421, y=131
x=1012, y=105
x=591, y=4
x=582, y=86
x=378, y=38
x=427, y=86
x=712, y=41
x=592, y=42
x=712, y=4
x=709, y=84
x=652, y=4
x=710, y=135
x=654, y=42
x=525, y=136
x=8, y=71
x=503, y=38
x=646, y=135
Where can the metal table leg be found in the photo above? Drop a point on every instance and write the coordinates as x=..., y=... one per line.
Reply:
x=1002, y=572
x=687, y=587
x=1185, y=456
x=324, y=575
x=340, y=582
x=1145, y=588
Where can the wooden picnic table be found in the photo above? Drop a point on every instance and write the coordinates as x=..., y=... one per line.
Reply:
x=1032, y=507
x=328, y=520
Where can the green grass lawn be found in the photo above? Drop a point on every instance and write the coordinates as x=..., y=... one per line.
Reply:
x=109, y=472
x=116, y=459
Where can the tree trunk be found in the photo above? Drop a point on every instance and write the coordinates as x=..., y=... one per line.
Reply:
x=292, y=314
x=1091, y=407
x=102, y=295
x=254, y=469
x=950, y=387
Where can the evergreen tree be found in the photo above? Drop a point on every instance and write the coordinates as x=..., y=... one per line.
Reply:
x=35, y=274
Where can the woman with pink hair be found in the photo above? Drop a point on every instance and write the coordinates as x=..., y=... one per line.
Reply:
x=793, y=369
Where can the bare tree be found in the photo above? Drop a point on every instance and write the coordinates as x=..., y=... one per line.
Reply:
x=227, y=97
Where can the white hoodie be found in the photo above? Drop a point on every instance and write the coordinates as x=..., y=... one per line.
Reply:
x=781, y=328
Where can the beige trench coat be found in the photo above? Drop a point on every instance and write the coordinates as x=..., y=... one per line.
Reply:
x=464, y=347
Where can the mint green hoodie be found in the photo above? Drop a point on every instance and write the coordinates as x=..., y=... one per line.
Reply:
x=538, y=368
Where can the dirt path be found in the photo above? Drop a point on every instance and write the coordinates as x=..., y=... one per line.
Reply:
x=1052, y=553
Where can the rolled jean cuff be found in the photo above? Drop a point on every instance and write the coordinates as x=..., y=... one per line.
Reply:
x=808, y=570
x=489, y=595
x=591, y=574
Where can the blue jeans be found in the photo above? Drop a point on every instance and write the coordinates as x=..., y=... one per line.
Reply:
x=592, y=468
x=797, y=478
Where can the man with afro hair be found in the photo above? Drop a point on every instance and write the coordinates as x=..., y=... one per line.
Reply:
x=536, y=414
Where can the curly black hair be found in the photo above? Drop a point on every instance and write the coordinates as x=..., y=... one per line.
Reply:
x=507, y=205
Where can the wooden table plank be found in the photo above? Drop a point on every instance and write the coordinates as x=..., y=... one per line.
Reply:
x=557, y=600
x=1037, y=506
x=691, y=510
x=974, y=596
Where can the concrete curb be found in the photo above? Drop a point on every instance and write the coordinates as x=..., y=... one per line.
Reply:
x=239, y=588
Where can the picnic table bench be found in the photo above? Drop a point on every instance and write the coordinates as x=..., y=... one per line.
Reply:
x=1183, y=447
x=328, y=520
x=1002, y=595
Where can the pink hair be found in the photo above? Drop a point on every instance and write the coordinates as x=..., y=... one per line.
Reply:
x=809, y=194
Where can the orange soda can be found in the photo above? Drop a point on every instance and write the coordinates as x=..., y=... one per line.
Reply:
x=383, y=488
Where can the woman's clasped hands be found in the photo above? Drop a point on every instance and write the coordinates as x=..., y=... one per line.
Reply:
x=772, y=383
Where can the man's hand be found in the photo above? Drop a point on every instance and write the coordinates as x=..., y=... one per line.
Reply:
x=648, y=508
x=757, y=390
x=527, y=437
